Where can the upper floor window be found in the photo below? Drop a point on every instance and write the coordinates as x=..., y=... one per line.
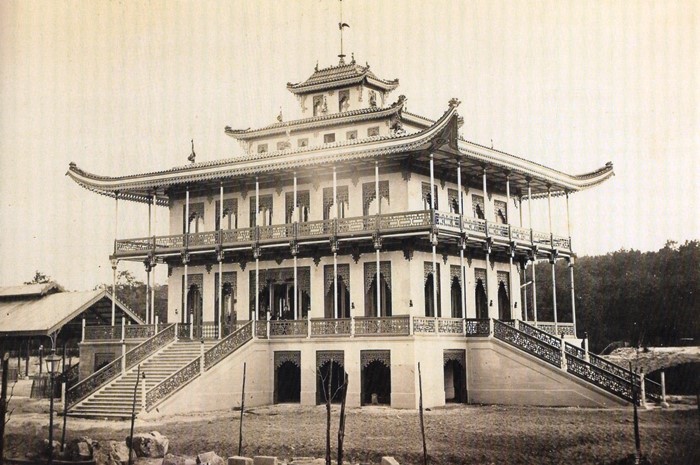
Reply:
x=196, y=217
x=453, y=198
x=303, y=142
x=351, y=135
x=427, y=197
x=344, y=100
x=370, y=204
x=320, y=106
x=263, y=216
x=230, y=214
x=283, y=145
x=328, y=138
x=373, y=131
x=478, y=206
x=262, y=148
x=298, y=212
x=331, y=208
x=501, y=209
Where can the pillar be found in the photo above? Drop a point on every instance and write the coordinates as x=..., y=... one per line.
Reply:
x=433, y=236
x=296, y=286
x=511, y=254
x=462, y=245
x=664, y=403
x=335, y=247
x=114, y=290
x=256, y=252
x=153, y=291
x=534, y=258
x=553, y=259
x=377, y=243
x=185, y=259
x=220, y=257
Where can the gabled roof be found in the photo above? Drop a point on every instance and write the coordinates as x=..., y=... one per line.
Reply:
x=29, y=290
x=334, y=119
x=341, y=76
x=46, y=315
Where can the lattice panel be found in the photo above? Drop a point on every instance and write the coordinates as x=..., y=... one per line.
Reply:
x=303, y=200
x=369, y=193
x=480, y=274
x=453, y=199
x=230, y=279
x=381, y=356
x=195, y=280
x=371, y=271
x=428, y=270
x=343, y=272
x=504, y=277
x=501, y=209
x=455, y=273
x=230, y=211
x=478, y=208
x=456, y=355
x=282, y=357
x=197, y=210
x=325, y=356
x=265, y=203
x=281, y=275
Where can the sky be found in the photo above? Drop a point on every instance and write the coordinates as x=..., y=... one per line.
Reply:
x=121, y=88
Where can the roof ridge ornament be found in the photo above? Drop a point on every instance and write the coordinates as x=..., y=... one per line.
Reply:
x=454, y=102
x=193, y=155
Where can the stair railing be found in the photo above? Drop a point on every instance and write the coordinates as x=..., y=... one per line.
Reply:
x=604, y=379
x=543, y=350
x=196, y=367
x=112, y=370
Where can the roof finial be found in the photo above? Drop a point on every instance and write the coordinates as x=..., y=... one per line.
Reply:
x=341, y=25
x=192, y=155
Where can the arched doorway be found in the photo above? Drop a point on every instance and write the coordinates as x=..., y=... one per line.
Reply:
x=456, y=298
x=503, y=302
x=330, y=370
x=287, y=377
x=343, y=300
x=455, y=380
x=482, y=305
x=376, y=377
x=384, y=308
x=194, y=308
x=430, y=308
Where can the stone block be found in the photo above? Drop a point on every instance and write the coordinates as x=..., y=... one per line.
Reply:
x=171, y=459
x=210, y=458
x=389, y=461
x=152, y=445
x=112, y=453
x=238, y=460
x=264, y=460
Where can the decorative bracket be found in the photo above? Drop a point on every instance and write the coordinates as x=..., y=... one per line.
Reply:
x=185, y=258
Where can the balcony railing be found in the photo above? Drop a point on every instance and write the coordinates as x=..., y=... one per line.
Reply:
x=421, y=220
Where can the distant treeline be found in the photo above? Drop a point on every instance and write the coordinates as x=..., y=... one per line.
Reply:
x=642, y=299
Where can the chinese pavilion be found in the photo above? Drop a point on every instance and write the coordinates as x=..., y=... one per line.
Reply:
x=360, y=238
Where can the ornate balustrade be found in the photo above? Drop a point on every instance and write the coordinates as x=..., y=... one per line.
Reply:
x=289, y=328
x=390, y=325
x=139, y=331
x=477, y=327
x=172, y=384
x=541, y=334
x=103, y=333
x=527, y=343
x=424, y=325
x=420, y=220
x=331, y=327
x=612, y=368
x=228, y=345
x=567, y=329
x=71, y=375
x=183, y=330
x=602, y=378
x=450, y=326
x=261, y=329
x=110, y=371
x=575, y=351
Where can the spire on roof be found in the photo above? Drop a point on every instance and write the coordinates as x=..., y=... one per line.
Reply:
x=192, y=155
x=341, y=25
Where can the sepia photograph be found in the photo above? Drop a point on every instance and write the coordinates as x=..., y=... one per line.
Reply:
x=361, y=232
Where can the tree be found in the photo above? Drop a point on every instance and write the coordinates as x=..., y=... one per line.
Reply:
x=39, y=278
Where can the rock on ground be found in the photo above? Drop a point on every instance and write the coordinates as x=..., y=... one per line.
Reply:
x=153, y=444
x=210, y=458
x=112, y=453
x=171, y=459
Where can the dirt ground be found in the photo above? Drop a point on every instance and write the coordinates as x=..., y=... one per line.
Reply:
x=457, y=434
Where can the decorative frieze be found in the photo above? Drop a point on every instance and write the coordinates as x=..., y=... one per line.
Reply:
x=381, y=356
x=456, y=355
x=326, y=356
x=282, y=357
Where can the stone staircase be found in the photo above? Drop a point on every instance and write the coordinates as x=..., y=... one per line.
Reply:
x=114, y=401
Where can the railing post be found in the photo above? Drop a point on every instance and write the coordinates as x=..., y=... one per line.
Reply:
x=308, y=325
x=410, y=325
x=201, y=356
x=83, y=332
x=643, y=392
x=490, y=326
x=267, y=331
x=352, y=326
x=585, y=348
x=143, y=391
x=563, y=352
x=664, y=404
x=123, y=328
x=123, y=358
x=464, y=326
x=63, y=393
x=177, y=331
x=191, y=318
x=437, y=331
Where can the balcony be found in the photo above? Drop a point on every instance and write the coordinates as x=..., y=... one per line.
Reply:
x=446, y=225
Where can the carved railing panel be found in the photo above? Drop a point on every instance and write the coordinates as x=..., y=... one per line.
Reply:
x=538, y=333
x=602, y=378
x=498, y=230
x=71, y=375
x=103, y=333
x=210, y=238
x=448, y=220
x=228, y=345
x=450, y=326
x=134, y=245
x=350, y=225
x=314, y=228
x=139, y=331
x=610, y=367
x=93, y=382
x=475, y=225
x=176, y=241
x=331, y=327
x=527, y=343
x=149, y=346
x=183, y=330
x=575, y=351
x=520, y=234
x=289, y=328
x=539, y=237
x=234, y=236
x=561, y=242
x=261, y=329
x=424, y=325
x=404, y=220
x=281, y=231
x=395, y=326
x=172, y=384
x=477, y=327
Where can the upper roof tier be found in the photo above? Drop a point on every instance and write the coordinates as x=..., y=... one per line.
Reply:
x=396, y=150
x=342, y=75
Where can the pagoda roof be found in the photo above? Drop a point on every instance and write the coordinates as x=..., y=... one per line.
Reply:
x=334, y=119
x=440, y=137
x=341, y=75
